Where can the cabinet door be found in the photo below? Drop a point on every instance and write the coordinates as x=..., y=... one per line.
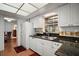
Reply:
x=75, y=14
x=34, y=44
x=64, y=15
x=31, y=43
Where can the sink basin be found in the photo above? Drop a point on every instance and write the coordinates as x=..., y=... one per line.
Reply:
x=52, y=38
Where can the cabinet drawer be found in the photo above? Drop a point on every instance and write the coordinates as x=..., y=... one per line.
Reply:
x=47, y=43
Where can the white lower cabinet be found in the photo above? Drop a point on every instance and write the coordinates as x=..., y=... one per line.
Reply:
x=32, y=43
x=44, y=47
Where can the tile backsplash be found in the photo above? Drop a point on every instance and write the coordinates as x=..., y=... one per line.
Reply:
x=69, y=34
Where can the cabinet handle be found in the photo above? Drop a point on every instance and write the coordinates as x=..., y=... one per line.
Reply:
x=57, y=44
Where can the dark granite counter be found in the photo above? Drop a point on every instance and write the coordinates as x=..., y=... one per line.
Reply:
x=68, y=49
x=58, y=39
x=42, y=37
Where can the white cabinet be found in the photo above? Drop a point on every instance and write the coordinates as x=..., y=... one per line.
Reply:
x=38, y=22
x=44, y=47
x=75, y=14
x=64, y=15
x=50, y=48
x=68, y=15
x=33, y=43
x=40, y=45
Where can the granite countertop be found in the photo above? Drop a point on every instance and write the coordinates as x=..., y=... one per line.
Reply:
x=58, y=39
x=68, y=50
x=40, y=37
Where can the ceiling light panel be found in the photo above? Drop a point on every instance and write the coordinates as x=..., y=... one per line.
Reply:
x=29, y=8
x=17, y=5
x=39, y=5
x=7, y=8
x=22, y=13
x=9, y=19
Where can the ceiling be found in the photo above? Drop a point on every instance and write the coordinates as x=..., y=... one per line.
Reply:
x=23, y=9
x=48, y=8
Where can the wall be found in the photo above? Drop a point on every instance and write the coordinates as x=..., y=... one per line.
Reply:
x=8, y=26
x=1, y=33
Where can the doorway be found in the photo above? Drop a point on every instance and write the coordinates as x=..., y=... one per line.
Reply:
x=10, y=40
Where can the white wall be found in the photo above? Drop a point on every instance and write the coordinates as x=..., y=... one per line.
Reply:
x=1, y=33
x=8, y=26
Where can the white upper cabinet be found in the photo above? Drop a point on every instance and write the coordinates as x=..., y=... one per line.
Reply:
x=75, y=14
x=64, y=15
x=69, y=15
x=38, y=22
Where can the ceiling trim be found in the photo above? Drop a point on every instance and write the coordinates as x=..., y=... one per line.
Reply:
x=16, y=7
x=10, y=5
x=19, y=7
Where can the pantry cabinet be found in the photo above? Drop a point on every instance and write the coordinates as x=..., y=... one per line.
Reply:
x=44, y=47
x=68, y=15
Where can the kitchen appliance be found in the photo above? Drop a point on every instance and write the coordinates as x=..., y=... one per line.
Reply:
x=26, y=31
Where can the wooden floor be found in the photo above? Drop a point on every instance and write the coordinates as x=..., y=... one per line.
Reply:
x=9, y=50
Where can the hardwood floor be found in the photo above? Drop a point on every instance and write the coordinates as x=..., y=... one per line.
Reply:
x=9, y=50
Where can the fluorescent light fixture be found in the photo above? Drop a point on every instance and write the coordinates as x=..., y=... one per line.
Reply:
x=9, y=19
x=7, y=8
x=49, y=14
x=17, y=5
x=39, y=5
x=28, y=7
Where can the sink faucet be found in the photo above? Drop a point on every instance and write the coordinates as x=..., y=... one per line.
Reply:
x=47, y=34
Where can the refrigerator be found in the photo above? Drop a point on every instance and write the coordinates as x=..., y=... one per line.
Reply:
x=26, y=31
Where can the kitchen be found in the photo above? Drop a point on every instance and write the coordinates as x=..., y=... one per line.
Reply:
x=52, y=30
x=56, y=33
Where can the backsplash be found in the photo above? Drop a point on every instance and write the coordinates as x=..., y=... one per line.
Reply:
x=38, y=30
x=73, y=34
